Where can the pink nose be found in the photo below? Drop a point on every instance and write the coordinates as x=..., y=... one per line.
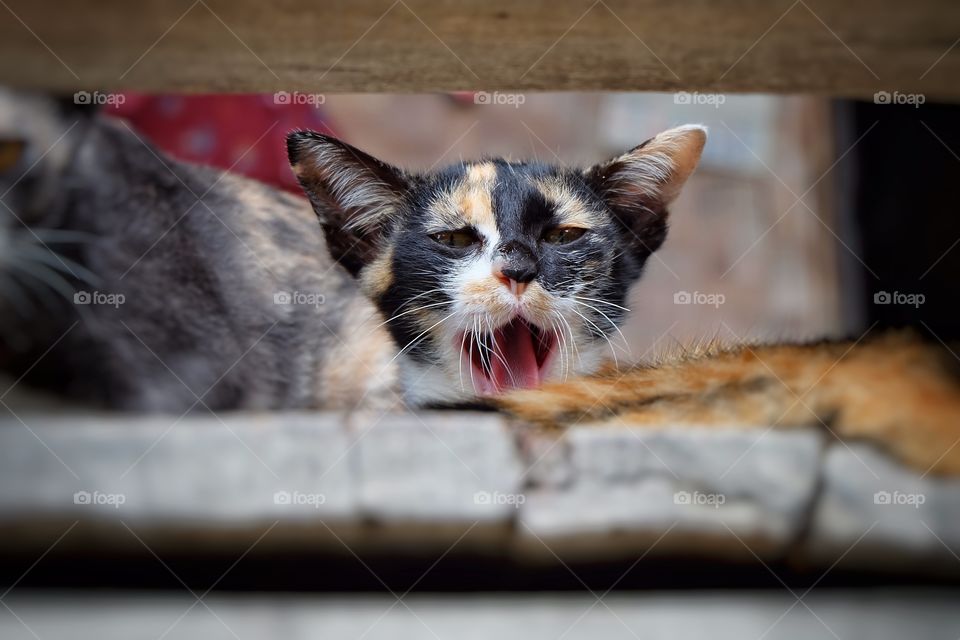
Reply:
x=516, y=288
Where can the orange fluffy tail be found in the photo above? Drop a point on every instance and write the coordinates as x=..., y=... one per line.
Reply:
x=895, y=390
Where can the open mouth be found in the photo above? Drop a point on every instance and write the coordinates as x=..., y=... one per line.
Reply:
x=515, y=355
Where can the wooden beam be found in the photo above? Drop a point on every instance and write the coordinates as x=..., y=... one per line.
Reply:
x=852, y=48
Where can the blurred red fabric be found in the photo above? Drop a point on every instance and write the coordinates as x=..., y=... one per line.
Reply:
x=242, y=133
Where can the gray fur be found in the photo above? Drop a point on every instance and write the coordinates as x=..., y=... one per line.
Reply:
x=198, y=278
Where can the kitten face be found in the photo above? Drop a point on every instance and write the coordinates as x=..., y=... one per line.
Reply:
x=495, y=275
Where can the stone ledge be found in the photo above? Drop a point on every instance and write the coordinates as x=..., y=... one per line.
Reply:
x=699, y=483
x=872, y=509
x=876, y=614
x=401, y=483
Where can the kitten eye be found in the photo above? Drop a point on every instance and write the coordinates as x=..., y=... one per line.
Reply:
x=459, y=239
x=10, y=153
x=563, y=235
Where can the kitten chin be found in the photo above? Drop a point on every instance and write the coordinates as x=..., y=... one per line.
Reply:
x=432, y=385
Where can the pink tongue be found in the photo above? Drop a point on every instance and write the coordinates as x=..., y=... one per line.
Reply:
x=514, y=343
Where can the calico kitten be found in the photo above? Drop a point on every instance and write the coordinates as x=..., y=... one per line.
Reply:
x=134, y=281
x=495, y=275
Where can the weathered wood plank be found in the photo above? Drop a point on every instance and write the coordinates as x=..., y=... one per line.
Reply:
x=851, y=48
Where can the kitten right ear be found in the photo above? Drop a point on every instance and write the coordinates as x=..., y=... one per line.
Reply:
x=354, y=194
x=638, y=185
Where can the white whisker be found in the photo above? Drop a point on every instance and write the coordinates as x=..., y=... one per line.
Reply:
x=605, y=337
x=45, y=275
x=573, y=339
x=495, y=352
x=612, y=323
x=601, y=302
x=61, y=263
x=57, y=236
x=426, y=306
x=425, y=332
x=561, y=346
x=463, y=342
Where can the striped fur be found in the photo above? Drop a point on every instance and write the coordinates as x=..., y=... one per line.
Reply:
x=894, y=390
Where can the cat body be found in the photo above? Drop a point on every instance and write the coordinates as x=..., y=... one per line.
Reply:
x=173, y=286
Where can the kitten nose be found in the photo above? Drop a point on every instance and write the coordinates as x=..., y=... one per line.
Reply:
x=516, y=268
x=520, y=273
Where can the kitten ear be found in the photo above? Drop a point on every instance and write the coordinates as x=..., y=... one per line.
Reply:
x=638, y=185
x=354, y=194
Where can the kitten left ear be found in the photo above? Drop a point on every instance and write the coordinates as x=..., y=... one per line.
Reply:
x=638, y=185
x=354, y=194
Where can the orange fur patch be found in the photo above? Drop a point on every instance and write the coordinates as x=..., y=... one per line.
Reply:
x=483, y=289
x=378, y=275
x=471, y=202
x=894, y=390
x=475, y=196
x=569, y=208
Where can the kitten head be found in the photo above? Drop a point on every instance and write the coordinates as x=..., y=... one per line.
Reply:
x=493, y=275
